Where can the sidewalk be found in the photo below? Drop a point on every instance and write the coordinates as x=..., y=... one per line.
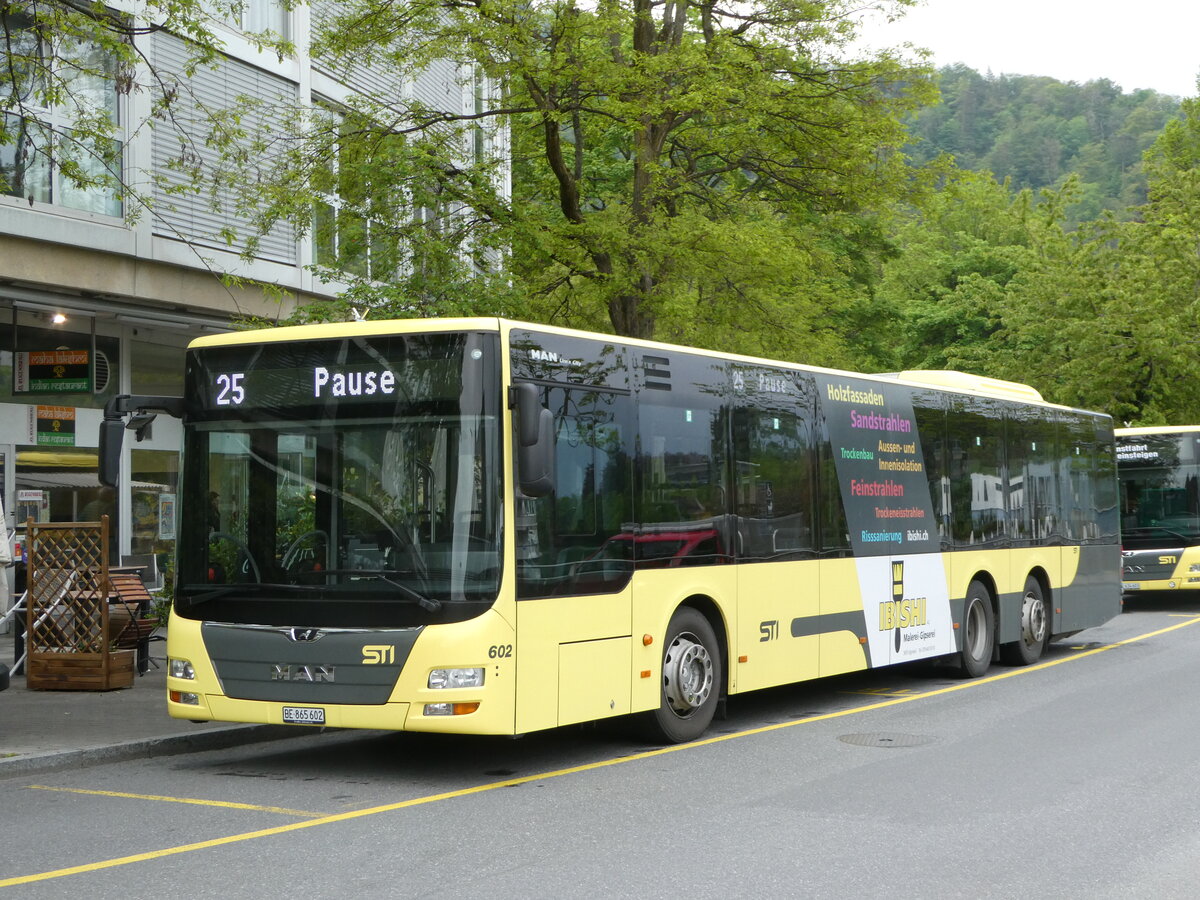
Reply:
x=46, y=730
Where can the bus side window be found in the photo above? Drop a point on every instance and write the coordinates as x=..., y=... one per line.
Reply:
x=569, y=542
x=682, y=493
x=978, y=492
x=774, y=463
x=930, y=415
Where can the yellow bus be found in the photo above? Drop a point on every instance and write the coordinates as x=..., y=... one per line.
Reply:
x=492, y=527
x=1159, y=473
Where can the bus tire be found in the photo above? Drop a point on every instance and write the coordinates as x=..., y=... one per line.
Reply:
x=691, y=679
x=1035, y=628
x=978, y=631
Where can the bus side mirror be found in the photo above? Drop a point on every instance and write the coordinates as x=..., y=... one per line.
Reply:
x=535, y=441
x=112, y=431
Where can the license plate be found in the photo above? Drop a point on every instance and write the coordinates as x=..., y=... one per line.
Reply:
x=304, y=715
x=1130, y=586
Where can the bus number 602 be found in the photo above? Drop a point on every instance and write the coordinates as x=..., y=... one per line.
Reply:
x=500, y=651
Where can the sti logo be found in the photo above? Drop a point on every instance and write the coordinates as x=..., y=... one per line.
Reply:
x=378, y=654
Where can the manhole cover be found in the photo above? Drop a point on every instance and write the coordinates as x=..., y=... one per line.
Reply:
x=886, y=739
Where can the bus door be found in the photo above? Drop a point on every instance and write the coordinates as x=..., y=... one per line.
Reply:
x=575, y=552
x=778, y=577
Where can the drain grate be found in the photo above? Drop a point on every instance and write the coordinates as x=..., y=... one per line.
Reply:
x=886, y=739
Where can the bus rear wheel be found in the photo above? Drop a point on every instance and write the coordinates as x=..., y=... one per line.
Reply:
x=978, y=631
x=691, y=679
x=1035, y=627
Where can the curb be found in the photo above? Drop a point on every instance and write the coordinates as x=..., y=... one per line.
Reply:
x=148, y=748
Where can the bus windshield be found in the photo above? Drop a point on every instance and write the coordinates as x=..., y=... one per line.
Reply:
x=342, y=483
x=1160, y=490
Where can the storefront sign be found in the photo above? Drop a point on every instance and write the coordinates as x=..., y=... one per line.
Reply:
x=51, y=371
x=166, y=517
x=55, y=426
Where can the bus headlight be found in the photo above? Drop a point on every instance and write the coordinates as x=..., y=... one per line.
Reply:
x=455, y=678
x=181, y=668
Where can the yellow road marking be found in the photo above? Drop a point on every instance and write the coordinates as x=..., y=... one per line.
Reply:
x=221, y=803
x=572, y=770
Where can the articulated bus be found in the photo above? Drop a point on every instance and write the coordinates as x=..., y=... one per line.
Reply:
x=1159, y=473
x=491, y=527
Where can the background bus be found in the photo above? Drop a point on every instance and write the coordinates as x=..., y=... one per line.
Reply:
x=483, y=526
x=1159, y=472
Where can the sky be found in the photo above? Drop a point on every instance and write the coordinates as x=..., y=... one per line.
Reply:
x=1152, y=44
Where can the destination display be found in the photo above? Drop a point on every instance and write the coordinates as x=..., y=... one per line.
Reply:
x=354, y=372
x=1150, y=450
x=876, y=448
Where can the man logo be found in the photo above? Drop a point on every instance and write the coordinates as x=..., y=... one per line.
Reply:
x=304, y=635
x=311, y=674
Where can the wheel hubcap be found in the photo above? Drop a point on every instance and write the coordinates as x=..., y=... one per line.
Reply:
x=1033, y=620
x=687, y=674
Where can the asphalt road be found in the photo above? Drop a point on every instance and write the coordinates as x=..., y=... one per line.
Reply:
x=1072, y=778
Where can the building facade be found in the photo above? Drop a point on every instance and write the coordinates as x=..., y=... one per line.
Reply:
x=94, y=302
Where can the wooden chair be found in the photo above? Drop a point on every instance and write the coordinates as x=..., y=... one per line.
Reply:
x=131, y=596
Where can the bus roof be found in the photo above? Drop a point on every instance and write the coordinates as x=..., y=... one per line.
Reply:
x=972, y=384
x=944, y=379
x=1156, y=429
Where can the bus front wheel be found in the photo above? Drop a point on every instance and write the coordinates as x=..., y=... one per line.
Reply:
x=1035, y=627
x=978, y=631
x=691, y=679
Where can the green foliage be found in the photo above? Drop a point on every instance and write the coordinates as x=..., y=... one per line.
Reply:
x=1103, y=316
x=1036, y=132
x=676, y=171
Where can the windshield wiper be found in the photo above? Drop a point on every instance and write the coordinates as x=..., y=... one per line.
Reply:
x=223, y=591
x=430, y=604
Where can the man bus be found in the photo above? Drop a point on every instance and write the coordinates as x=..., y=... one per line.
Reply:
x=492, y=527
x=1159, y=473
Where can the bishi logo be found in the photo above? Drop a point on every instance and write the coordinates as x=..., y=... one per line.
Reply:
x=901, y=612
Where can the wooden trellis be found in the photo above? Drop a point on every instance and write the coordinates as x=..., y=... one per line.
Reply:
x=70, y=639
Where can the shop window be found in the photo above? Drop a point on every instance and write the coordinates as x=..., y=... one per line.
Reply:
x=154, y=479
x=42, y=364
x=156, y=368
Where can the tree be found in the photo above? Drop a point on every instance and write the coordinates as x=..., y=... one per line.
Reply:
x=678, y=168
x=1102, y=317
x=959, y=253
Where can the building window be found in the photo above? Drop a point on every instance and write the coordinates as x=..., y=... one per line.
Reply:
x=251, y=16
x=350, y=221
x=46, y=154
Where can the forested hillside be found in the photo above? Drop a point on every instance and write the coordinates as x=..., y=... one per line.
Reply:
x=1036, y=131
x=1098, y=312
